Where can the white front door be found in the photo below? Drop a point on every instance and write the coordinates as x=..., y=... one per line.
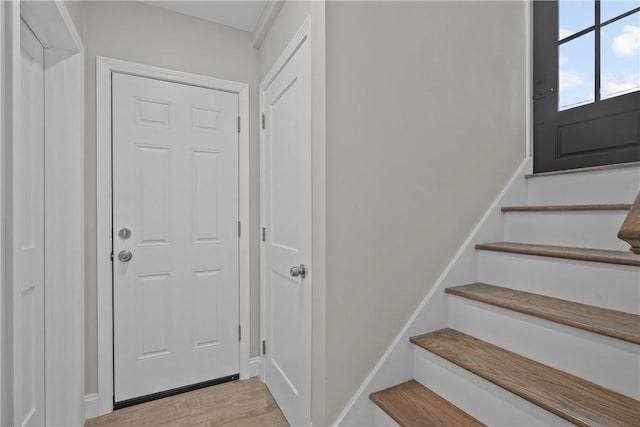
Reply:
x=28, y=237
x=175, y=214
x=286, y=194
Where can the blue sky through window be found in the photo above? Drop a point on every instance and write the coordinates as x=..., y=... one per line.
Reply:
x=620, y=51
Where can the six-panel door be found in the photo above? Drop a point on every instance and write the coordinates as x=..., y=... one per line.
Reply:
x=175, y=188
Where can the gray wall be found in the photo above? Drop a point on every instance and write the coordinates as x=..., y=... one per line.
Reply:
x=137, y=32
x=76, y=9
x=425, y=124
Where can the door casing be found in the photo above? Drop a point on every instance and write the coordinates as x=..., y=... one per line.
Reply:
x=104, y=68
x=64, y=204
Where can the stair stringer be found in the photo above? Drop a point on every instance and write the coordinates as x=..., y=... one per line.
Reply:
x=396, y=364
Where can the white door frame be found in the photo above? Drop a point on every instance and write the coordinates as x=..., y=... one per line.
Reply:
x=64, y=204
x=303, y=33
x=104, y=68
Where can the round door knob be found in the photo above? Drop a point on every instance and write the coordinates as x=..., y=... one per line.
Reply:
x=125, y=256
x=298, y=271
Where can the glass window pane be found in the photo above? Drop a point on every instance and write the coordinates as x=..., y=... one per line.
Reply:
x=574, y=16
x=576, y=77
x=612, y=8
x=620, y=57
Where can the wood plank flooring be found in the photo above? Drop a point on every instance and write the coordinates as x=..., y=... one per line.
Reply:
x=411, y=404
x=239, y=403
x=579, y=401
x=615, y=324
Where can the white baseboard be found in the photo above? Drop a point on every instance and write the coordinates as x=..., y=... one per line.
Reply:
x=255, y=366
x=90, y=406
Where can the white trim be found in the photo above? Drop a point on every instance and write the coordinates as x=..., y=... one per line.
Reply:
x=104, y=244
x=64, y=204
x=439, y=284
x=244, y=244
x=12, y=68
x=91, y=405
x=13, y=110
x=64, y=227
x=4, y=121
x=104, y=68
x=255, y=366
x=268, y=15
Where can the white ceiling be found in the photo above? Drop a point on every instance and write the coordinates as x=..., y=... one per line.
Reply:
x=240, y=14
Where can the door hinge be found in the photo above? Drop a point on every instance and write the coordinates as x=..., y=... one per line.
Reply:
x=111, y=256
x=264, y=347
x=263, y=122
x=239, y=228
x=264, y=234
x=239, y=332
x=238, y=124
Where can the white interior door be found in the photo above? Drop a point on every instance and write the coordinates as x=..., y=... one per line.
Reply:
x=175, y=188
x=286, y=161
x=28, y=238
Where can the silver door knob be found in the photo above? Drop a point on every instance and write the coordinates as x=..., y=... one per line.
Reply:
x=125, y=256
x=298, y=271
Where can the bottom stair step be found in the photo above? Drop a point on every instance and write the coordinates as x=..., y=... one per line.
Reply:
x=578, y=401
x=412, y=404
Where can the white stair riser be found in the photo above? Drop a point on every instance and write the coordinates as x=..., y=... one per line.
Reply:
x=483, y=400
x=589, y=229
x=606, y=361
x=382, y=419
x=616, y=287
x=604, y=186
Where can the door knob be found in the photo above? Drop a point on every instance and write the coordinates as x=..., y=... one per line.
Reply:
x=298, y=271
x=125, y=256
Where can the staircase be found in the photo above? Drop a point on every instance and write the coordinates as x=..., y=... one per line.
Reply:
x=549, y=333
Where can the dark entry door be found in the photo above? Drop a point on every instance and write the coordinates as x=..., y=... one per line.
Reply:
x=586, y=83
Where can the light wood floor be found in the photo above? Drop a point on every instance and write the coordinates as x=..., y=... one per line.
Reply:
x=238, y=403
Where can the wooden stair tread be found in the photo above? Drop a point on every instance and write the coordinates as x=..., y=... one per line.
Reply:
x=612, y=323
x=568, y=208
x=566, y=252
x=412, y=404
x=574, y=399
